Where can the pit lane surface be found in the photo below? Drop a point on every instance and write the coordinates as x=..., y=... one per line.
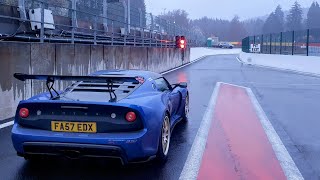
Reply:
x=289, y=100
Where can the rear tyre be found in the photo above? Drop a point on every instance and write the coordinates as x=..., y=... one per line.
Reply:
x=186, y=109
x=164, y=141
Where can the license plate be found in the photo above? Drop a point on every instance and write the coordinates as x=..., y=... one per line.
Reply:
x=86, y=127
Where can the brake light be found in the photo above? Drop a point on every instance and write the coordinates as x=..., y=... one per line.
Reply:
x=131, y=116
x=24, y=112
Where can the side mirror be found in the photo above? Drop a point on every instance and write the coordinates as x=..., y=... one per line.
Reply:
x=181, y=85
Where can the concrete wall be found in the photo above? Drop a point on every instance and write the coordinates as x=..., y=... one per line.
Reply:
x=68, y=59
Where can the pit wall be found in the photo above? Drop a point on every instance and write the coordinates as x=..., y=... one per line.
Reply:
x=71, y=59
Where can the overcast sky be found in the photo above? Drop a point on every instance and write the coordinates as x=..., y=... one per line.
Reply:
x=225, y=9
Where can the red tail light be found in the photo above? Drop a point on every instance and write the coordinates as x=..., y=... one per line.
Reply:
x=131, y=117
x=24, y=112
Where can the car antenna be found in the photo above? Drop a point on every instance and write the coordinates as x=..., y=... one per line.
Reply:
x=111, y=91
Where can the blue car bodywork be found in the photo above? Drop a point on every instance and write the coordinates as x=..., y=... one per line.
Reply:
x=115, y=137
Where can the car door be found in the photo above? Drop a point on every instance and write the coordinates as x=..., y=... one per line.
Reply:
x=172, y=94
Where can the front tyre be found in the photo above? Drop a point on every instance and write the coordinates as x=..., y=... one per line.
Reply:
x=164, y=141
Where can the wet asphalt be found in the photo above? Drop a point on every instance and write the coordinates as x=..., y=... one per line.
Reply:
x=291, y=102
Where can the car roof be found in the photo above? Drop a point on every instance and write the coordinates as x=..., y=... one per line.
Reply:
x=116, y=72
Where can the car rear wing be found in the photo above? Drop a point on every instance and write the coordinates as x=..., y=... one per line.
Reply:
x=101, y=79
x=109, y=79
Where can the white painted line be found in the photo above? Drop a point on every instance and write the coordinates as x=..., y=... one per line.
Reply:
x=192, y=165
x=239, y=60
x=288, y=166
x=10, y=123
x=233, y=85
x=191, y=62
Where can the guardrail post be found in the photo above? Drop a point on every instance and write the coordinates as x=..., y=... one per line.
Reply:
x=292, y=42
x=42, y=23
x=308, y=41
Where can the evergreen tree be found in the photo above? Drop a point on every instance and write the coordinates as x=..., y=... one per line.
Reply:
x=313, y=16
x=275, y=22
x=294, y=18
x=237, y=31
x=280, y=15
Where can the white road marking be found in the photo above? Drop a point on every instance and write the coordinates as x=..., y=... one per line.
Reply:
x=166, y=72
x=288, y=166
x=6, y=124
x=192, y=165
x=239, y=60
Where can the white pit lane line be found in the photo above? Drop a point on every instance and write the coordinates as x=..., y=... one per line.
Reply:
x=10, y=123
x=4, y=125
x=192, y=165
x=193, y=162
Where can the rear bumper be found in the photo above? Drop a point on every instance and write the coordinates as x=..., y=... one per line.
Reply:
x=128, y=147
x=73, y=150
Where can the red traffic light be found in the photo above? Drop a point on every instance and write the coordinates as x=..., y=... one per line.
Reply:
x=181, y=42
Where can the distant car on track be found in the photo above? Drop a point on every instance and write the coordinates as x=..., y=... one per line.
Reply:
x=123, y=114
x=225, y=45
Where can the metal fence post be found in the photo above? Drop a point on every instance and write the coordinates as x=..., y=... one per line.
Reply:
x=151, y=30
x=281, y=43
x=262, y=44
x=129, y=15
x=42, y=23
x=140, y=18
x=95, y=30
x=134, y=37
x=308, y=41
x=142, y=35
x=270, y=44
x=112, y=33
x=73, y=20
x=22, y=9
x=292, y=42
x=105, y=15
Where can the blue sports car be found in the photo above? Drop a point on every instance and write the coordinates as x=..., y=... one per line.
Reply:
x=123, y=114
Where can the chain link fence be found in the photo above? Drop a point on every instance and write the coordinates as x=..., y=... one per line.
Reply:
x=305, y=42
x=110, y=22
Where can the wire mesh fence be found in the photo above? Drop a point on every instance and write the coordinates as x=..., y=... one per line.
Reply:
x=304, y=42
x=110, y=22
